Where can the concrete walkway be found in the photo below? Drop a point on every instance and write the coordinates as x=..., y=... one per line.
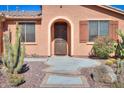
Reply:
x=43, y=59
x=69, y=65
x=64, y=71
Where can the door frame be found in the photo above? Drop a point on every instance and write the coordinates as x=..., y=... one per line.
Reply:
x=68, y=36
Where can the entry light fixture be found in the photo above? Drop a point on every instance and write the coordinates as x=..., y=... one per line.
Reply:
x=60, y=6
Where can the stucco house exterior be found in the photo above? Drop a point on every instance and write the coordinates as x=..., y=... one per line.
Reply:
x=63, y=29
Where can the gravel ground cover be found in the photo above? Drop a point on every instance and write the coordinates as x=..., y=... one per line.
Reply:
x=34, y=77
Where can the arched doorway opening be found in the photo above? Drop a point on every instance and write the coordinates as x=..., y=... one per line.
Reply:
x=61, y=37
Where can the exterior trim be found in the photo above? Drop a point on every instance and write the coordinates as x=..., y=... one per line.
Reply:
x=35, y=18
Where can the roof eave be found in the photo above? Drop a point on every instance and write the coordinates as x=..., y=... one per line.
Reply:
x=112, y=9
x=24, y=17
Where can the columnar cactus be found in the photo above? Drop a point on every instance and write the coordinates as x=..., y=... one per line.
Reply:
x=13, y=56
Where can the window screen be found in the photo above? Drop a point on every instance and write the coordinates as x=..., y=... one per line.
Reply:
x=27, y=32
x=98, y=28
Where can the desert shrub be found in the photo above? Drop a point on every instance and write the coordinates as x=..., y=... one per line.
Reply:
x=120, y=67
x=103, y=47
x=118, y=85
x=120, y=45
x=15, y=79
x=111, y=61
x=120, y=74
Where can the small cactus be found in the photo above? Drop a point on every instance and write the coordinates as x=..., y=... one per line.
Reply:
x=13, y=56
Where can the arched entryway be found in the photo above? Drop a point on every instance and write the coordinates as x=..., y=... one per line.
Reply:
x=60, y=37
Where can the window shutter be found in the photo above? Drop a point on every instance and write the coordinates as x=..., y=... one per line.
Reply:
x=113, y=27
x=83, y=31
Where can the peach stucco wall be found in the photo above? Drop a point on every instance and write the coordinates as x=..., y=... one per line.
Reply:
x=33, y=48
x=72, y=14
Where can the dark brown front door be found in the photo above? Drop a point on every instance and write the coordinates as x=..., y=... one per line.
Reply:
x=60, y=36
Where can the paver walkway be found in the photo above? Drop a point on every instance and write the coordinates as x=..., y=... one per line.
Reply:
x=64, y=71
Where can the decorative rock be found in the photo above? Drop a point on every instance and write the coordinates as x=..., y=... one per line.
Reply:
x=104, y=73
x=121, y=78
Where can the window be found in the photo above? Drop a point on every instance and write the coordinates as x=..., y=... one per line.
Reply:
x=28, y=32
x=98, y=28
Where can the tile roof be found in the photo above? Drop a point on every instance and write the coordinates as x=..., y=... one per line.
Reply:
x=39, y=13
x=21, y=13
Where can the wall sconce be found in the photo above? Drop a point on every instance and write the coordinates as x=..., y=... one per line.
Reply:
x=60, y=6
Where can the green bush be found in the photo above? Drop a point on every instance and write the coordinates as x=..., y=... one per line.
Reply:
x=120, y=74
x=15, y=79
x=103, y=47
x=120, y=45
